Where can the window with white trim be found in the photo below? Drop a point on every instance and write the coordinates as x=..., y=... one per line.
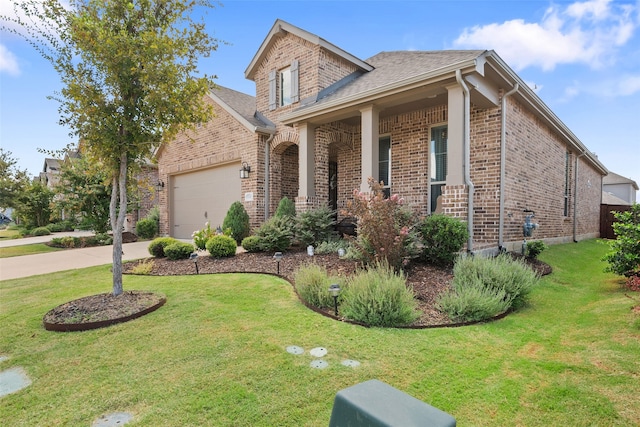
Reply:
x=384, y=163
x=437, y=163
x=285, y=86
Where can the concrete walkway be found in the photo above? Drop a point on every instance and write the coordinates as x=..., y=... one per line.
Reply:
x=32, y=265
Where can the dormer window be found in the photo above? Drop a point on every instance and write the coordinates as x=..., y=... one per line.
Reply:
x=285, y=86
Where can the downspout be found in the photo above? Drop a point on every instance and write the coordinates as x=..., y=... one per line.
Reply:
x=267, y=173
x=575, y=199
x=503, y=162
x=467, y=159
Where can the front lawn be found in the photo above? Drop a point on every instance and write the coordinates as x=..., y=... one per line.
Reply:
x=36, y=248
x=215, y=354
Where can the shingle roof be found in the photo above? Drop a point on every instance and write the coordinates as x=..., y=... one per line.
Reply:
x=614, y=178
x=244, y=105
x=394, y=67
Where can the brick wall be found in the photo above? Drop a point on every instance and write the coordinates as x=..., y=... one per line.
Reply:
x=147, y=196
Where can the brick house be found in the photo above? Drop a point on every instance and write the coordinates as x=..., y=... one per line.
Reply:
x=454, y=131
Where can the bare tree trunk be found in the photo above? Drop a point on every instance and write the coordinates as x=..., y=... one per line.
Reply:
x=119, y=192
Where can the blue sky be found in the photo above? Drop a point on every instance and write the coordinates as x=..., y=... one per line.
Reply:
x=582, y=58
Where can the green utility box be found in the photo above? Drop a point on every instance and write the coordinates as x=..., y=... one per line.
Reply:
x=374, y=403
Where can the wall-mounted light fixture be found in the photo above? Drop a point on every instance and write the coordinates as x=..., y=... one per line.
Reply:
x=159, y=185
x=244, y=172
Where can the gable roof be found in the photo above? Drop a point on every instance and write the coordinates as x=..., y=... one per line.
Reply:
x=243, y=108
x=614, y=178
x=279, y=29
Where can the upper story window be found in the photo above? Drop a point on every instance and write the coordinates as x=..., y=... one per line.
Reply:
x=285, y=86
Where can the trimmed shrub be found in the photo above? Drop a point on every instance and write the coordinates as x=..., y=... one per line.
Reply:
x=40, y=231
x=312, y=283
x=147, y=228
x=65, y=242
x=442, y=239
x=156, y=247
x=237, y=221
x=535, y=248
x=221, y=246
x=252, y=244
x=314, y=226
x=379, y=296
x=473, y=302
x=286, y=207
x=275, y=234
x=104, y=239
x=178, y=250
x=332, y=246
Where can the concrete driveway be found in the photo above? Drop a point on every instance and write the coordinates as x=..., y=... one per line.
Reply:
x=32, y=265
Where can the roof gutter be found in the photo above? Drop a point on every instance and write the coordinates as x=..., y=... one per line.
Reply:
x=378, y=92
x=503, y=161
x=467, y=159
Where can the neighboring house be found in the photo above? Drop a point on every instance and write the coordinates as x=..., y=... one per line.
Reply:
x=50, y=173
x=454, y=131
x=618, y=190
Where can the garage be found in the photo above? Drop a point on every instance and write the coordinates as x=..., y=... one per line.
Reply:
x=202, y=196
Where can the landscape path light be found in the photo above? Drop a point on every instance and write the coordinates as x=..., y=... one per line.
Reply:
x=334, y=290
x=278, y=257
x=194, y=257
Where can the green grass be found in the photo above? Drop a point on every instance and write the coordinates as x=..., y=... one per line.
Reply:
x=36, y=248
x=10, y=233
x=215, y=354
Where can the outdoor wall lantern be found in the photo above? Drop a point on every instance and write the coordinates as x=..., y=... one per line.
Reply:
x=244, y=172
x=194, y=257
x=278, y=257
x=159, y=185
x=334, y=290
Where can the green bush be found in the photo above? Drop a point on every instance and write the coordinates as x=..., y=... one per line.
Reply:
x=178, y=250
x=442, y=238
x=252, y=244
x=147, y=228
x=473, y=302
x=40, y=231
x=331, y=246
x=156, y=247
x=624, y=258
x=221, y=246
x=65, y=242
x=275, y=234
x=535, y=248
x=104, y=239
x=379, y=296
x=286, y=208
x=237, y=220
x=201, y=236
x=312, y=283
x=55, y=227
x=314, y=226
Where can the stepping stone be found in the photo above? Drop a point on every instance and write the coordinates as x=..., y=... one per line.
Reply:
x=350, y=363
x=318, y=352
x=113, y=420
x=12, y=380
x=294, y=349
x=319, y=364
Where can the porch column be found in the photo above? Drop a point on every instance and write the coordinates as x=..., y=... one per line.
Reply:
x=370, y=145
x=306, y=161
x=455, y=137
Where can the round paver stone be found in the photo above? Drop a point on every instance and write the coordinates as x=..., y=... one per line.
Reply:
x=294, y=349
x=318, y=352
x=351, y=363
x=12, y=380
x=113, y=420
x=319, y=364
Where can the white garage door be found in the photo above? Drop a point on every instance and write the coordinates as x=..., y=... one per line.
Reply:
x=203, y=196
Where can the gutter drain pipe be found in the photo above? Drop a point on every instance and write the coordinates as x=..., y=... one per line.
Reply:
x=467, y=159
x=575, y=199
x=267, y=173
x=503, y=163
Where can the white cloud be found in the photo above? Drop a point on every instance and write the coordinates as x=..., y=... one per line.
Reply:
x=8, y=62
x=583, y=32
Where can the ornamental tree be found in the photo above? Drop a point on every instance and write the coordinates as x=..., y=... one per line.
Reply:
x=129, y=75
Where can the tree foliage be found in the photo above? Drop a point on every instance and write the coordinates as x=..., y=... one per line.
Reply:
x=13, y=181
x=624, y=258
x=128, y=70
x=34, y=205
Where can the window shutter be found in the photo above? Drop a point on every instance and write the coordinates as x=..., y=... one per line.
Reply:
x=295, y=97
x=272, y=90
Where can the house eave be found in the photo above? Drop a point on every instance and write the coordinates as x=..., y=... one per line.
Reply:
x=240, y=118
